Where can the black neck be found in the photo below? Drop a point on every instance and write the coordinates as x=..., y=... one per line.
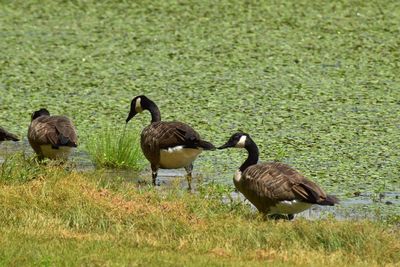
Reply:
x=252, y=158
x=154, y=111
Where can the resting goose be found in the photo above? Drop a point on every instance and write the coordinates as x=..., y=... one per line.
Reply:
x=5, y=135
x=51, y=137
x=167, y=145
x=274, y=187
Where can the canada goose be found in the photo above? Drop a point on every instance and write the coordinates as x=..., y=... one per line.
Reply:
x=5, y=136
x=274, y=187
x=51, y=136
x=167, y=145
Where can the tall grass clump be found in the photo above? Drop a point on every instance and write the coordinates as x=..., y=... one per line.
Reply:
x=114, y=147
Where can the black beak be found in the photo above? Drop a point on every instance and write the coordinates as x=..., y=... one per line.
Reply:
x=226, y=145
x=130, y=116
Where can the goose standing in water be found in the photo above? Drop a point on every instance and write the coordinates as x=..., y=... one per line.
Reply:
x=51, y=137
x=167, y=145
x=274, y=188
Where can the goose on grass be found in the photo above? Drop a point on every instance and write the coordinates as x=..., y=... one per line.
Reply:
x=274, y=187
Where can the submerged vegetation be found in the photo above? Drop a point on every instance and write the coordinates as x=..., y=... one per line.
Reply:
x=316, y=86
x=57, y=217
x=116, y=147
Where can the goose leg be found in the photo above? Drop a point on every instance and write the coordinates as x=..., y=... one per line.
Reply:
x=288, y=217
x=189, y=170
x=154, y=170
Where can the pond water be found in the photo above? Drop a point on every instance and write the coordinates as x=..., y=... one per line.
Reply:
x=367, y=205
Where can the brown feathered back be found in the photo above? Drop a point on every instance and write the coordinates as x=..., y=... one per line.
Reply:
x=163, y=135
x=264, y=184
x=56, y=131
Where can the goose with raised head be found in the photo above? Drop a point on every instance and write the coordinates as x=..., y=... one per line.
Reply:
x=274, y=187
x=167, y=145
x=51, y=137
x=7, y=136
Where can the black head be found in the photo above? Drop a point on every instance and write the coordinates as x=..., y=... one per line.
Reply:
x=239, y=140
x=138, y=104
x=40, y=112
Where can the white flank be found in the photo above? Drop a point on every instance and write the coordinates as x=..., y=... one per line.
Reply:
x=178, y=157
x=138, y=105
x=242, y=142
x=60, y=153
x=289, y=207
x=238, y=176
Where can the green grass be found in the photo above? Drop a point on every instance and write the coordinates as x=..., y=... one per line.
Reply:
x=18, y=168
x=73, y=219
x=116, y=147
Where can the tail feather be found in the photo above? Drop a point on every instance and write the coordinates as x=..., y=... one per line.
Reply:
x=12, y=137
x=329, y=201
x=65, y=141
x=205, y=145
x=6, y=136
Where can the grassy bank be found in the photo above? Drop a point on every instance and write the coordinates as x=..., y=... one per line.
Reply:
x=56, y=217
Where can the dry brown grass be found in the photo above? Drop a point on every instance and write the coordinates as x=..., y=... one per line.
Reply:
x=59, y=210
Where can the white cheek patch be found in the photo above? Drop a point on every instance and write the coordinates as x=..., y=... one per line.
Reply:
x=242, y=142
x=238, y=176
x=138, y=105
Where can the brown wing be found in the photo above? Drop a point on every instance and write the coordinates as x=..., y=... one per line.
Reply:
x=5, y=135
x=53, y=130
x=170, y=134
x=162, y=135
x=277, y=181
